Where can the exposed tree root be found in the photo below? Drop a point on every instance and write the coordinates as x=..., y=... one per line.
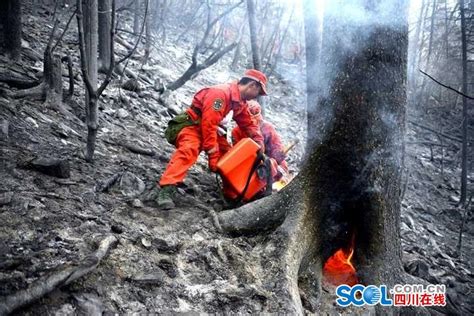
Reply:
x=291, y=250
x=67, y=275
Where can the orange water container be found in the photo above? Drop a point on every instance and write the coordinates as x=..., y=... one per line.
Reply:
x=235, y=167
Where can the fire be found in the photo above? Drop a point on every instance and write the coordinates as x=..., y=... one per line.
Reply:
x=283, y=182
x=338, y=269
x=278, y=185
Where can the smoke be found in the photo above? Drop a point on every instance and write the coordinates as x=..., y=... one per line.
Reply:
x=347, y=28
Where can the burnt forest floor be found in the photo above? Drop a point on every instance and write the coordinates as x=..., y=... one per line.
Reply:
x=170, y=261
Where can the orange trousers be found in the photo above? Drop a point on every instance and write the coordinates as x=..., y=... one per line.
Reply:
x=188, y=146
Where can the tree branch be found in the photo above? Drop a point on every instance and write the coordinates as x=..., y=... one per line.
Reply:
x=436, y=132
x=446, y=86
x=139, y=37
x=64, y=31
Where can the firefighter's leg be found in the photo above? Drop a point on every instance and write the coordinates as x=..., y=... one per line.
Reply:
x=188, y=146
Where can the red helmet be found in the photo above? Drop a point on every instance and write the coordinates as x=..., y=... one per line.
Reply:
x=255, y=110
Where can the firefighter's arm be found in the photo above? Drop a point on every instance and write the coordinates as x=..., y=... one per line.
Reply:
x=212, y=115
x=250, y=128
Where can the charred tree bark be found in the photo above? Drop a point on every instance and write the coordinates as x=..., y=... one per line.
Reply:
x=349, y=187
x=91, y=42
x=465, y=116
x=50, y=87
x=53, y=80
x=105, y=9
x=68, y=60
x=253, y=35
x=10, y=20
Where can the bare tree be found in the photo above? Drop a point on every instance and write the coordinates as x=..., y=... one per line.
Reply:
x=89, y=68
x=253, y=35
x=349, y=188
x=210, y=60
x=10, y=20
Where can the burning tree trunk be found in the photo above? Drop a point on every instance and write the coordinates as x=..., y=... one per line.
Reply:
x=348, y=191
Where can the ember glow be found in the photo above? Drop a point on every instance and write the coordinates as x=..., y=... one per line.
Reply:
x=338, y=269
x=278, y=185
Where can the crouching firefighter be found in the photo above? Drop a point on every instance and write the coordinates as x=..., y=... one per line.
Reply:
x=248, y=174
x=195, y=130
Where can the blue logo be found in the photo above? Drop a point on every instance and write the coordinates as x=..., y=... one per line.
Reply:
x=359, y=295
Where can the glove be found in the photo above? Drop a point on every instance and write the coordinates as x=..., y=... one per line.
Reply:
x=213, y=158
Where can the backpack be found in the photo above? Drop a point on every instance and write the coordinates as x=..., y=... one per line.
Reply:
x=176, y=124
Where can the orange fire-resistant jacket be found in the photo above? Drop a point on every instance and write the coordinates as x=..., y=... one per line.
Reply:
x=214, y=103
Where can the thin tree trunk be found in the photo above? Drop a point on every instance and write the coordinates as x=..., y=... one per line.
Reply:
x=253, y=35
x=136, y=18
x=282, y=41
x=148, y=38
x=423, y=14
x=446, y=32
x=237, y=53
x=105, y=9
x=430, y=49
x=91, y=36
x=432, y=31
x=413, y=60
x=465, y=117
x=10, y=18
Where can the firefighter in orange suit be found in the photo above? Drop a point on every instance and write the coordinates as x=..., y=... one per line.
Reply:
x=274, y=148
x=209, y=107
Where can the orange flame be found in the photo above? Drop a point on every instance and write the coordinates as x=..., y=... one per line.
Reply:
x=338, y=269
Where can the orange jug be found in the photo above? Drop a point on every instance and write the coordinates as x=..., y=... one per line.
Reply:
x=235, y=167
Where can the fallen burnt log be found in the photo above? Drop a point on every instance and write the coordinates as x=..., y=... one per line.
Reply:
x=60, y=278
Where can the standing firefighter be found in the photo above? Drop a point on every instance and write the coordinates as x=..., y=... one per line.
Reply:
x=196, y=129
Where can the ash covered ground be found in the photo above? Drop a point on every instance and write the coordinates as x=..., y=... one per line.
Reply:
x=174, y=261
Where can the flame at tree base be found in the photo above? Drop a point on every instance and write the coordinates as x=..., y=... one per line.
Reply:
x=338, y=269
